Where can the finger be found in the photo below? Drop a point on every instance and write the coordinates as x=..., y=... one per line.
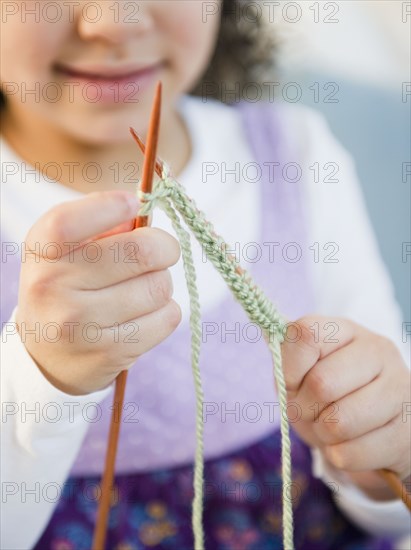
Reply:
x=76, y=221
x=305, y=430
x=121, y=257
x=339, y=374
x=121, y=228
x=138, y=336
x=307, y=341
x=371, y=451
x=130, y=299
x=352, y=419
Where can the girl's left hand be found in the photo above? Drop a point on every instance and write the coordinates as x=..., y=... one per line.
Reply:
x=352, y=391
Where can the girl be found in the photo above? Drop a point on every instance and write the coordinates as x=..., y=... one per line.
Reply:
x=94, y=297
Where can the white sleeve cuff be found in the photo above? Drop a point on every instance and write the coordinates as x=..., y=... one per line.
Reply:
x=42, y=430
x=37, y=408
x=379, y=518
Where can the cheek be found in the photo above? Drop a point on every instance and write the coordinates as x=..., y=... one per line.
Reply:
x=192, y=39
x=28, y=50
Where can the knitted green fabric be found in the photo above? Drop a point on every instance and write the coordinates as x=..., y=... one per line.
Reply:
x=170, y=196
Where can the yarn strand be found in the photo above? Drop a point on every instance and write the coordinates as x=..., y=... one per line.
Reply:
x=195, y=327
x=171, y=197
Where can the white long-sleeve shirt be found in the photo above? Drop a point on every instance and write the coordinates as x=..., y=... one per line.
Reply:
x=37, y=456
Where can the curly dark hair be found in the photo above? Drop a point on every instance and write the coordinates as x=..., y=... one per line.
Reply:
x=244, y=50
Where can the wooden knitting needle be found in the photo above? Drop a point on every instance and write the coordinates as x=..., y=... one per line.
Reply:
x=397, y=486
x=140, y=143
x=99, y=538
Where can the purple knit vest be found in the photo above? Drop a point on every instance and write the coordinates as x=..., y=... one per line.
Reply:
x=158, y=428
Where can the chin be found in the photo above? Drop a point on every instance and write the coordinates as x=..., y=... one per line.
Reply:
x=103, y=130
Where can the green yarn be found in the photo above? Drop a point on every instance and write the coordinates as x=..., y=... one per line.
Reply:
x=170, y=196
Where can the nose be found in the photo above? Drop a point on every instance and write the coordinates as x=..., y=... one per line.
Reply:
x=114, y=22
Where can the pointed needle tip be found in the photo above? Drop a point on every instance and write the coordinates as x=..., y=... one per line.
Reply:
x=151, y=144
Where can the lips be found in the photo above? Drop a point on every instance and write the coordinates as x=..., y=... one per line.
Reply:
x=109, y=74
x=99, y=84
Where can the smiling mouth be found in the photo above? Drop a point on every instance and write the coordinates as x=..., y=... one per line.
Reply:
x=109, y=86
x=107, y=74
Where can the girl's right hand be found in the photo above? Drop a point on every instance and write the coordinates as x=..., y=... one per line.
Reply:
x=94, y=294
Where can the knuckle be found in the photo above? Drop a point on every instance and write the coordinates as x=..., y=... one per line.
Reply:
x=320, y=386
x=146, y=253
x=160, y=287
x=306, y=324
x=41, y=284
x=70, y=314
x=337, y=430
x=55, y=223
x=300, y=333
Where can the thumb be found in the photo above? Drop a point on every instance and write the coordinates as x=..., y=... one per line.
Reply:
x=121, y=228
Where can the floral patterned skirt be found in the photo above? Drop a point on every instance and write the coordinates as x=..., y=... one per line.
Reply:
x=242, y=508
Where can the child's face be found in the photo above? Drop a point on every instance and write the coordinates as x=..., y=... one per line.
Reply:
x=92, y=66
